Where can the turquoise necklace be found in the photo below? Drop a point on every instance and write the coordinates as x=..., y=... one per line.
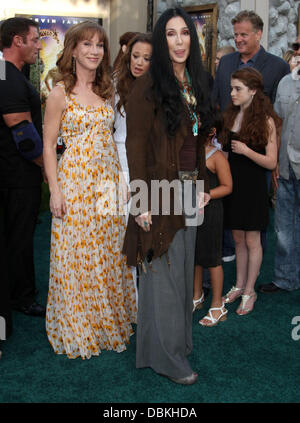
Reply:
x=191, y=103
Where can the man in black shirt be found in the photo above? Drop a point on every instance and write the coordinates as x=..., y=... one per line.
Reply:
x=20, y=168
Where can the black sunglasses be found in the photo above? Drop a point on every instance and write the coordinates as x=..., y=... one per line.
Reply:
x=295, y=46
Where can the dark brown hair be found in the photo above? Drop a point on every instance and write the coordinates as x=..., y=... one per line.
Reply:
x=15, y=26
x=123, y=74
x=123, y=41
x=249, y=15
x=255, y=129
x=102, y=86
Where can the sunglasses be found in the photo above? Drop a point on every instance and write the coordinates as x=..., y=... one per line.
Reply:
x=295, y=46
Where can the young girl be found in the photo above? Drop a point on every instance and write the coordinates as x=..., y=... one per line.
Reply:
x=209, y=234
x=249, y=135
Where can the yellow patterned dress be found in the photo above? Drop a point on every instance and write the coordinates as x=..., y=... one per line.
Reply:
x=91, y=301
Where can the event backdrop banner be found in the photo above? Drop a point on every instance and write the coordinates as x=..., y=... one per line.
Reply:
x=52, y=34
x=205, y=19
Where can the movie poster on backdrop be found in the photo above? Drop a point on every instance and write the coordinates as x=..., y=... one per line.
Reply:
x=52, y=34
x=205, y=19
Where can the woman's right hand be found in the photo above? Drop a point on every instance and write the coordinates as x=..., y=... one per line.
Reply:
x=144, y=221
x=57, y=204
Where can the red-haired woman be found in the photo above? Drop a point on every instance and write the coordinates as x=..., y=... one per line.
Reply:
x=91, y=301
x=249, y=136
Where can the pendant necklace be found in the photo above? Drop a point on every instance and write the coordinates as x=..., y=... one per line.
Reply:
x=191, y=103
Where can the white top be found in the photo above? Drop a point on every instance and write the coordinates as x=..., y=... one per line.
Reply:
x=120, y=134
x=120, y=138
x=210, y=153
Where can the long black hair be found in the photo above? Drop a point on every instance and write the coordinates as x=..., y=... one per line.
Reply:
x=166, y=88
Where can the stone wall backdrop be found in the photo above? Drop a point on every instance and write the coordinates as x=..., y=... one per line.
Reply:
x=283, y=18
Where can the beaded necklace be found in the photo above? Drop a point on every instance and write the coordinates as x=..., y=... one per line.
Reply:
x=191, y=102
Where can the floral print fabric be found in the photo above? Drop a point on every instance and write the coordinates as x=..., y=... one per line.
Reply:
x=91, y=301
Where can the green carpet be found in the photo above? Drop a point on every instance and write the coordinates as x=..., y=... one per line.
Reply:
x=249, y=358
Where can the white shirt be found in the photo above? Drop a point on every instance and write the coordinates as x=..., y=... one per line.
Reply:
x=120, y=134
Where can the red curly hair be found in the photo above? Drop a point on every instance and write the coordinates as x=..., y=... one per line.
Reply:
x=255, y=129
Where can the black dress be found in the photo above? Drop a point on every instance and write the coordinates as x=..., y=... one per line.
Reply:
x=210, y=234
x=247, y=207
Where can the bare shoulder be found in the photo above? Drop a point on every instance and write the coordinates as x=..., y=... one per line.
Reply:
x=220, y=157
x=214, y=161
x=57, y=97
x=221, y=162
x=55, y=106
x=271, y=123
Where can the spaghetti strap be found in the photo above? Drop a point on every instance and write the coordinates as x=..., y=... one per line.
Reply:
x=62, y=85
x=210, y=153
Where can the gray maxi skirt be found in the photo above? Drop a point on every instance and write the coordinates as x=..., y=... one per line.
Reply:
x=165, y=308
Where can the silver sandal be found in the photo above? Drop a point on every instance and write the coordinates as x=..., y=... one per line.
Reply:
x=226, y=298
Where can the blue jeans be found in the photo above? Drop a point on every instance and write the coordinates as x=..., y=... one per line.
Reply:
x=287, y=228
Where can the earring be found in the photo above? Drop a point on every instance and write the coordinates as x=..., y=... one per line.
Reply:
x=73, y=65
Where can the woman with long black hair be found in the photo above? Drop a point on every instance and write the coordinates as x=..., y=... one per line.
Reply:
x=165, y=113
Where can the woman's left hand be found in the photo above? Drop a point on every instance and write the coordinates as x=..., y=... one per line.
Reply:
x=125, y=189
x=144, y=221
x=203, y=200
x=239, y=147
x=125, y=193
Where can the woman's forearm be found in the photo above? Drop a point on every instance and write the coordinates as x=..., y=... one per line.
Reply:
x=220, y=191
x=50, y=164
x=266, y=161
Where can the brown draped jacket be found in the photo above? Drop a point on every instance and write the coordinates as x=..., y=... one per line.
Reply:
x=153, y=155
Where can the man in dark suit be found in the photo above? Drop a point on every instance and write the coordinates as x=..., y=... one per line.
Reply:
x=248, y=27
